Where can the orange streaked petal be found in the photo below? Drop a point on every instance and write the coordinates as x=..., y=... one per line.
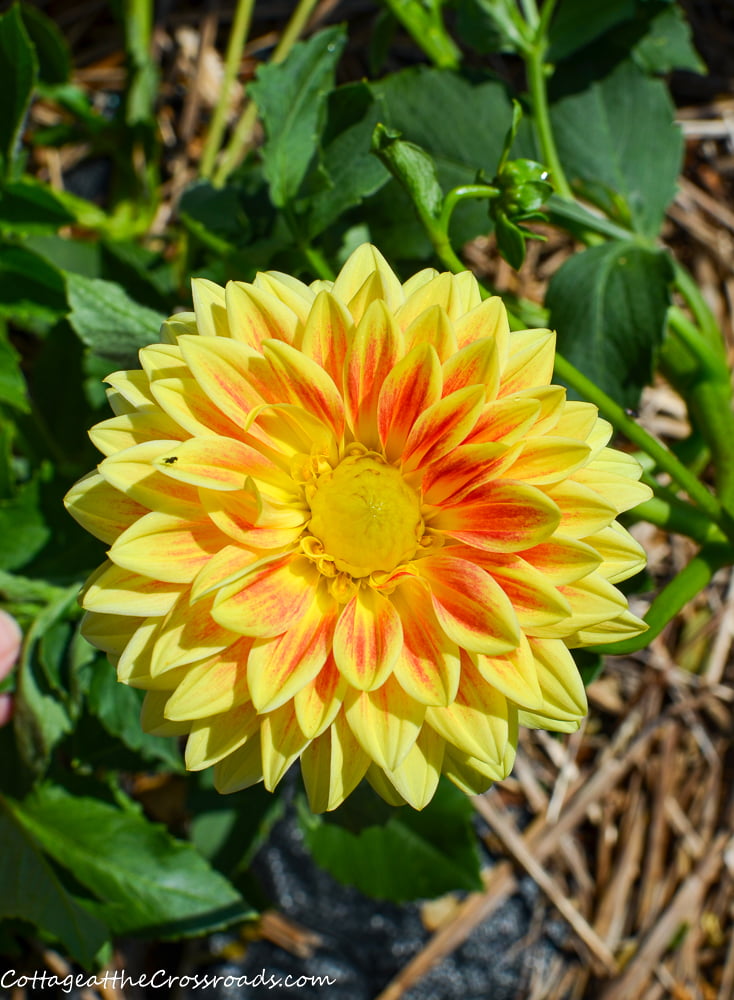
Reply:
x=452, y=477
x=281, y=742
x=562, y=560
x=530, y=364
x=104, y=511
x=332, y=766
x=255, y=314
x=369, y=360
x=488, y=319
x=477, y=363
x=113, y=590
x=289, y=430
x=472, y=609
x=386, y=722
x=188, y=633
x=289, y=290
x=306, y=384
x=269, y=599
x=593, y=600
x=428, y=667
x=217, y=685
x=536, y=599
x=183, y=399
x=501, y=516
x=505, y=420
x=435, y=328
x=245, y=517
x=132, y=472
x=413, y=385
x=318, y=702
x=216, y=463
x=327, y=334
x=368, y=639
x=280, y=667
x=221, y=367
x=443, y=426
x=167, y=548
x=231, y=563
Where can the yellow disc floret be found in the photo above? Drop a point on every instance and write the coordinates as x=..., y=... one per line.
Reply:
x=366, y=516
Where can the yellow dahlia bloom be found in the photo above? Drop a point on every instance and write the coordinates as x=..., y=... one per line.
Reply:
x=352, y=523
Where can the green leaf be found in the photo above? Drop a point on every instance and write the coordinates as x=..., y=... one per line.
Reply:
x=414, y=855
x=473, y=119
x=144, y=880
x=23, y=530
x=413, y=168
x=291, y=98
x=609, y=307
x=353, y=172
x=32, y=892
x=31, y=289
x=490, y=25
x=18, y=72
x=574, y=26
x=667, y=44
x=108, y=321
x=12, y=384
x=27, y=206
x=617, y=140
x=52, y=50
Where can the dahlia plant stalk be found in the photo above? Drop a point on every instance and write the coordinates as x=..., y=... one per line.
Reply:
x=353, y=524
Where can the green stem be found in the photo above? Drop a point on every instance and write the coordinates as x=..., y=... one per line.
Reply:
x=462, y=193
x=530, y=13
x=664, y=459
x=315, y=259
x=536, y=68
x=235, y=48
x=241, y=138
x=674, y=597
x=679, y=518
x=699, y=307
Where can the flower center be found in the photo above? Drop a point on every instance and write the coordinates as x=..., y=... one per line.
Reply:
x=366, y=516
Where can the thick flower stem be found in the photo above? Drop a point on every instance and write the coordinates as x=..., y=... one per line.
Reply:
x=536, y=69
x=235, y=47
x=664, y=459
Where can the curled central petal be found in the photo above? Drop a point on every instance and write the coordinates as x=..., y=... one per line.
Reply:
x=366, y=516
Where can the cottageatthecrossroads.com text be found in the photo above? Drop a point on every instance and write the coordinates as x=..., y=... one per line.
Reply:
x=157, y=980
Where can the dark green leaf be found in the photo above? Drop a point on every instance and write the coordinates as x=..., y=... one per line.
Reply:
x=144, y=879
x=510, y=240
x=23, y=530
x=291, y=98
x=29, y=207
x=108, y=321
x=609, y=307
x=12, y=384
x=353, y=171
x=33, y=892
x=423, y=20
x=667, y=45
x=490, y=25
x=414, y=855
x=18, y=71
x=31, y=289
x=81, y=257
x=574, y=25
x=52, y=50
x=617, y=140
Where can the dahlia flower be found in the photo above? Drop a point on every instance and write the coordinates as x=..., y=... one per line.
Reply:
x=353, y=524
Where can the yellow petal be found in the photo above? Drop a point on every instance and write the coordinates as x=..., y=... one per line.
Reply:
x=282, y=741
x=371, y=356
x=188, y=633
x=214, y=738
x=269, y=599
x=432, y=327
x=318, y=702
x=367, y=272
x=385, y=721
x=368, y=639
x=332, y=766
x=327, y=335
x=255, y=314
x=128, y=429
x=428, y=667
x=217, y=685
x=110, y=633
x=185, y=402
x=209, y=308
x=416, y=777
x=100, y=508
x=132, y=472
x=413, y=385
x=119, y=591
x=167, y=548
x=621, y=555
x=514, y=674
x=478, y=363
x=583, y=510
x=548, y=459
x=443, y=426
x=153, y=719
x=530, y=364
x=488, y=319
x=564, y=695
x=240, y=769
